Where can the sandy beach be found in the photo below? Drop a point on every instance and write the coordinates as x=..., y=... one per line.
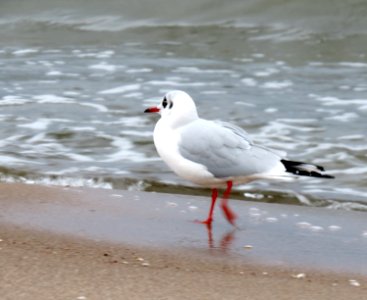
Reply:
x=63, y=243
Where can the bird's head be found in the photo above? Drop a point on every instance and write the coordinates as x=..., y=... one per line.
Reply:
x=177, y=107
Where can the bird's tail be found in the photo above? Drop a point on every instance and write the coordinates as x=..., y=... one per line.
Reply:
x=304, y=169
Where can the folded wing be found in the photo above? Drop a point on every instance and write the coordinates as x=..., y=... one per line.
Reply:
x=225, y=150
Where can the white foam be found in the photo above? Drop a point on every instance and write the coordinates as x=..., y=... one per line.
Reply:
x=346, y=117
x=345, y=87
x=334, y=101
x=193, y=207
x=12, y=161
x=79, y=157
x=334, y=228
x=213, y=92
x=245, y=103
x=360, y=88
x=121, y=89
x=84, y=128
x=316, y=228
x=142, y=70
x=102, y=54
x=201, y=71
x=73, y=182
x=191, y=70
x=52, y=99
x=54, y=73
x=133, y=95
x=304, y=225
x=98, y=107
x=353, y=64
x=249, y=81
x=117, y=195
x=48, y=82
x=13, y=100
x=71, y=93
x=354, y=171
x=25, y=51
x=246, y=60
x=103, y=66
x=105, y=54
x=39, y=124
x=71, y=170
x=253, y=195
x=137, y=133
x=177, y=83
x=131, y=121
x=352, y=137
x=271, y=110
x=124, y=150
x=277, y=84
x=45, y=63
x=257, y=213
x=267, y=72
x=298, y=121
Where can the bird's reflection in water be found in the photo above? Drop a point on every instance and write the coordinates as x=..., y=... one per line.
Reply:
x=225, y=242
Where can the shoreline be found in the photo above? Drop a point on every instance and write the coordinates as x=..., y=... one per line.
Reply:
x=42, y=265
x=68, y=243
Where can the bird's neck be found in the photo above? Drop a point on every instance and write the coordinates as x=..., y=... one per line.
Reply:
x=183, y=120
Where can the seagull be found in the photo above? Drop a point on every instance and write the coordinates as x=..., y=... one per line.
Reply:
x=216, y=154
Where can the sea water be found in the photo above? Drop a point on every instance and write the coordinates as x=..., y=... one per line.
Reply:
x=76, y=77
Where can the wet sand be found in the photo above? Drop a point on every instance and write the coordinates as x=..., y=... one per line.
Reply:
x=61, y=243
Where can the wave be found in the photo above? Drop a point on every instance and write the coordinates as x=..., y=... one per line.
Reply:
x=297, y=17
x=313, y=197
x=15, y=175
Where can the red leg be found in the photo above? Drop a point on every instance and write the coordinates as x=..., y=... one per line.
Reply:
x=209, y=220
x=228, y=213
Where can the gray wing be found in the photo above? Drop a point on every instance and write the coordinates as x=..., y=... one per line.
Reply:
x=224, y=149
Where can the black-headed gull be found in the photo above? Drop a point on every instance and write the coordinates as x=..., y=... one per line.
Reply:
x=216, y=154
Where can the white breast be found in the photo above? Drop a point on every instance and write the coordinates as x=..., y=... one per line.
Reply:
x=166, y=141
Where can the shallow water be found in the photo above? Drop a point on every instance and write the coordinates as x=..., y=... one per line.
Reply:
x=272, y=235
x=75, y=79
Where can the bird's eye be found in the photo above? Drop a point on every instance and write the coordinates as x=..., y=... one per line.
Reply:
x=164, y=102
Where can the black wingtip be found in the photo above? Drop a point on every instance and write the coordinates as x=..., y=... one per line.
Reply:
x=303, y=169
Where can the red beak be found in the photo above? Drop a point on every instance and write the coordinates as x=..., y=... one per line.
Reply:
x=153, y=109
